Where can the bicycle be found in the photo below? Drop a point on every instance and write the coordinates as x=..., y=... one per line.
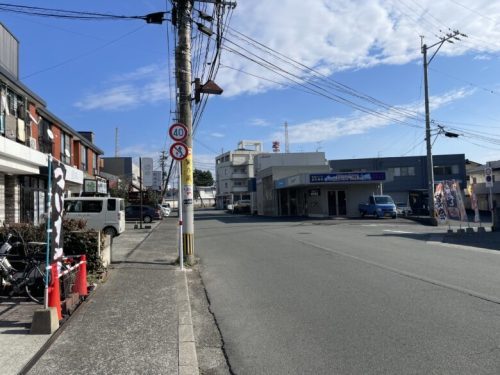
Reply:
x=31, y=278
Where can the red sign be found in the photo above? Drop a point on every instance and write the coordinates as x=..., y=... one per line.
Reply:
x=179, y=151
x=178, y=132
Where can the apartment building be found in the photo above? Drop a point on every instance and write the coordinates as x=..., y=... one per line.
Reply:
x=234, y=173
x=29, y=132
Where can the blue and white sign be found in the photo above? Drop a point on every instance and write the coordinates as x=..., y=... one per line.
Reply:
x=347, y=177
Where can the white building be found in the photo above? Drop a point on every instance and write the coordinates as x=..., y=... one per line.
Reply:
x=234, y=172
x=302, y=184
x=477, y=183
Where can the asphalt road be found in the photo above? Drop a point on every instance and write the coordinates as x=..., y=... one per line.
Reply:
x=349, y=297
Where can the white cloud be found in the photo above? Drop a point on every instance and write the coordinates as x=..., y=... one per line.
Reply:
x=319, y=130
x=217, y=135
x=114, y=98
x=259, y=122
x=334, y=35
x=205, y=162
x=145, y=85
x=141, y=150
x=482, y=57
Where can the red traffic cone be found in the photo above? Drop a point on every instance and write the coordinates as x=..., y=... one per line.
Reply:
x=54, y=291
x=81, y=278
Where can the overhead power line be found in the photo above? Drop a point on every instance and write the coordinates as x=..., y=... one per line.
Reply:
x=69, y=14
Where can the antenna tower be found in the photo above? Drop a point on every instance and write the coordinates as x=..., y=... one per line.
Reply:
x=116, y=142
x=287, y=145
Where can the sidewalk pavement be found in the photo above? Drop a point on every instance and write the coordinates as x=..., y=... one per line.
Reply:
x=138, y=321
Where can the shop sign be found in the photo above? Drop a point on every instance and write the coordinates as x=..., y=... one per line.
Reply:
x=347, y=177
x=102, y=187
x=74, y=175
x=89, y=186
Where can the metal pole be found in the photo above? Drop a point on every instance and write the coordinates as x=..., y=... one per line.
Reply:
x=430, y=164
x=179, y=196
x=183, y=68
x=49, y=231
x=140, y=190
x=492, y=210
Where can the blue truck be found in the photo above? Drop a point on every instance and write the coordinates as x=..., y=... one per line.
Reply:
x=378, y=206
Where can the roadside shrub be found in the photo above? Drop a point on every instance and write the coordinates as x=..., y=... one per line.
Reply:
x=78, y=240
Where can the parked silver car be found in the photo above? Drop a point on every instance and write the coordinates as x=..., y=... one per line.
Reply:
x=403, y=209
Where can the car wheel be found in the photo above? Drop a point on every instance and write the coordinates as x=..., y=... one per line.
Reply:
x=363, y=213
x=110, y=231
x=147, y=219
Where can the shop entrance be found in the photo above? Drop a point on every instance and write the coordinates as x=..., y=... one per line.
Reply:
x=337, y=205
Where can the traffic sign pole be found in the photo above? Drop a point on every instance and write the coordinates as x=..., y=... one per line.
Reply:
x=180, y=152
x=179, y=204
x=488, y=178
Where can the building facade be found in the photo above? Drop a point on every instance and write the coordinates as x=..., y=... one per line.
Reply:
x=29, y=133
x=302, y=184
x=486, y=195
x=407, y=176
x=234, y=173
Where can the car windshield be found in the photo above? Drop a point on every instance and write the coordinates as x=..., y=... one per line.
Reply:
x=383, y=200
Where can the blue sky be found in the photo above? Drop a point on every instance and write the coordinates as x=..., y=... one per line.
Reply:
x=102, y=75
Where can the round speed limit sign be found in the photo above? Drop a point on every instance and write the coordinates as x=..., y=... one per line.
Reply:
x=178, y=132
x=178, y=151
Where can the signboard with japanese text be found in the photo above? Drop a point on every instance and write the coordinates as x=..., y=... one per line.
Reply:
x=347, y=177
x=89, y=186
x=102, y=186
x=147, y=171
x=448, y=201
x=157, y=180
x=56, y=211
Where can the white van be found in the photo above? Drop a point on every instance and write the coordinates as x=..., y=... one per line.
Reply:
x=100, y=213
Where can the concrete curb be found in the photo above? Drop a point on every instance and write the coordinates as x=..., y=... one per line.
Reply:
x=188, y=361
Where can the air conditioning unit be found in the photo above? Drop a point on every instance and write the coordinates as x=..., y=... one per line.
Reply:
x=33, y=143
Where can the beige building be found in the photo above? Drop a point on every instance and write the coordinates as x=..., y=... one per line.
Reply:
x=234, y=173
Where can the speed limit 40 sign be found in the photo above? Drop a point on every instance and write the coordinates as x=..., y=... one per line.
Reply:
x=178, y=132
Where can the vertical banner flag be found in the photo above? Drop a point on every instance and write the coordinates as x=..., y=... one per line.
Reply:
x=449, y=202
x=473, y=202
x=439, y=206
x=147, y=172
x=57, y=206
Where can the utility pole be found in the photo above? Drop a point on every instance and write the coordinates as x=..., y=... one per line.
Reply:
x=183, y=76
x=430, y=165
x=184, y=82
